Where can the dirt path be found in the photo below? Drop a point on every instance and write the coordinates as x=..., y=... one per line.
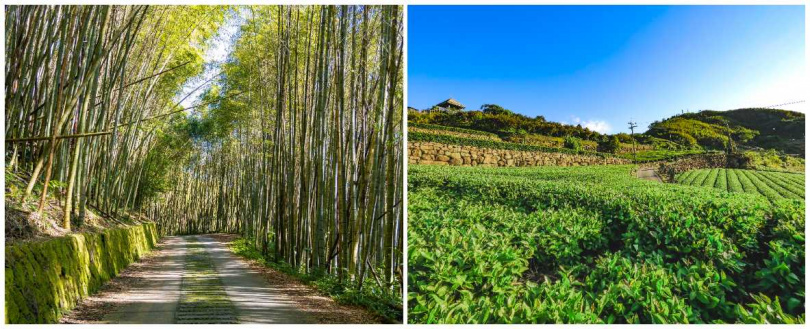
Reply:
x=197, y=279
x=648, y=174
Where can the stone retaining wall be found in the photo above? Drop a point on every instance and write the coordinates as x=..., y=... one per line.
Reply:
x=462, y=155
x=46, y=279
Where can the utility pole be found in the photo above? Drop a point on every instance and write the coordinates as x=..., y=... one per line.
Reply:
x=730, y=140
x=633, y=126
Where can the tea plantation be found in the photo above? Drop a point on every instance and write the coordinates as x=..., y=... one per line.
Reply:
x=595, y=245
x=772, y=185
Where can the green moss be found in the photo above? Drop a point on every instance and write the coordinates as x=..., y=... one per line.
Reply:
x=45, y=279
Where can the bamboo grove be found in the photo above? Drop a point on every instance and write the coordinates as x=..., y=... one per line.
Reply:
x=296, y=144
x=300, y=146
x=83, y=85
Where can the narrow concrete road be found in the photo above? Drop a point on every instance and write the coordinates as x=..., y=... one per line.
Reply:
x=195, y=279
x=154, y=298
x=648, y=174
x=255, y=301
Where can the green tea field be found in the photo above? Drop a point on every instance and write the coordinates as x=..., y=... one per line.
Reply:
x=595, y=245
x=772, y=185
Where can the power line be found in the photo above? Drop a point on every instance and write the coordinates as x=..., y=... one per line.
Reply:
x=783, y=104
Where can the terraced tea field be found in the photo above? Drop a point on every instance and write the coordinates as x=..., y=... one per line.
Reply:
x=772, y=185
x=596, y=245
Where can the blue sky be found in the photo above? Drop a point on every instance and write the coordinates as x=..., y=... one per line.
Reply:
x=602, y=66
x=216, y=53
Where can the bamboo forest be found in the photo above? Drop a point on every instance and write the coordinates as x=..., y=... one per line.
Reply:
x=250, y=157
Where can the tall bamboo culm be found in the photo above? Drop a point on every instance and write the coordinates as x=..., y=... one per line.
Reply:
x=307, y=161
x=82, y=84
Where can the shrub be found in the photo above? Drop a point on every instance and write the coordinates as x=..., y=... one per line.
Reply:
x=609, y=145
x=572, y=143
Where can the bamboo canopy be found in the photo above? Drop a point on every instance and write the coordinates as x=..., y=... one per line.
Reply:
x=296, y=144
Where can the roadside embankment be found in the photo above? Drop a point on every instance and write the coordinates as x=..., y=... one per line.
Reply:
x=45, y=279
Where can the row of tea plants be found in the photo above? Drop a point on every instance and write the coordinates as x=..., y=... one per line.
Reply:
x=772, y=185
x=594, y=245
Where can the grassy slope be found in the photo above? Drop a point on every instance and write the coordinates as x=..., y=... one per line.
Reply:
x=772, y=129
x=23, y=223
x=645, y=152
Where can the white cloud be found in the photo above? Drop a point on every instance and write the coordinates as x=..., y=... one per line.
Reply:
x=598, y=126
x=594, y=125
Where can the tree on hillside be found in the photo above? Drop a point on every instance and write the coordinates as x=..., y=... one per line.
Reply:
x=572, y=143
x=609, y=145
x=494, y=109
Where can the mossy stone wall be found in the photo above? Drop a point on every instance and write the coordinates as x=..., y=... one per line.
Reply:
x=45, y=279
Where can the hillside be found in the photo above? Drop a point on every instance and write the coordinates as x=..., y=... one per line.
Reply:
x=750, y=128
x=24, y=223
x=503, y=122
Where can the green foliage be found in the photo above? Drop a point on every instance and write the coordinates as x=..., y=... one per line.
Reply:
x=609, y=145
x=658, y=155
x=45, y=279
x=452, y=140
x=595, y=245
x=454, y=129
x=691, y=132
x=762, y=128
x=765, y=310
x=378, y=300
x=774, y=160
x=771, y=185
x=495, y=119
x=573, y=143
x=167, y=157
x=494, y=109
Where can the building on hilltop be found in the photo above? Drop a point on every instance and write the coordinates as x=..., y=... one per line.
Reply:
x=448, y=106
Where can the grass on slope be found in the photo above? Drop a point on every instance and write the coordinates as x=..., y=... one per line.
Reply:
x=658, y=155
x=452, y=140
x=23, y=222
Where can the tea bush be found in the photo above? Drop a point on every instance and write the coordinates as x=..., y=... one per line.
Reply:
x=595, y=245
x=772, y=185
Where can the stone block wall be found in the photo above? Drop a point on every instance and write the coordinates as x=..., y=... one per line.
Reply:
x=46, y=279
x=462, y=155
